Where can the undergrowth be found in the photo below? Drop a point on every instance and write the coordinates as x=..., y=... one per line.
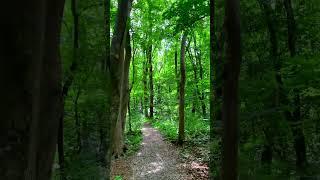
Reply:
x=196, y=135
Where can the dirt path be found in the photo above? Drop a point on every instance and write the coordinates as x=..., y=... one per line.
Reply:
x=156, y=160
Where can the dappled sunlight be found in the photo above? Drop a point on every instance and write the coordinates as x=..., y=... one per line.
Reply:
x=152, y=168
x=156, y=159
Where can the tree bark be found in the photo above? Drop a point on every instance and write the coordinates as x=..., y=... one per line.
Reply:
x=30, y=73
x=106, y=126
x=119, y=74
x=182, y=89
x=230, y=107
x=212, y=90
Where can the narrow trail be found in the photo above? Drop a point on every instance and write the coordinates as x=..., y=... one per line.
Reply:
x=156, y=160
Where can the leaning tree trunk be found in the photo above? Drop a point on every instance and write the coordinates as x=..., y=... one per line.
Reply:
x=116, y=70
x=30, y=75
x=230, y=107
x=182, y=88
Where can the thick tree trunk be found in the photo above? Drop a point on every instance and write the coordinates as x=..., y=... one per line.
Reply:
x=123, y=72
x=212, y=90
x=106, y=126
x=230, y=107
x=182, y=88
x=30, y=75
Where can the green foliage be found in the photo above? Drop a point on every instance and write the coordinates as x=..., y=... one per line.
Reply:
x=196, y=129
x=118, y=178
x=133, y=141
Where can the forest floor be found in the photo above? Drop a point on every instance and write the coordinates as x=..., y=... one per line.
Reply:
x=157, y=159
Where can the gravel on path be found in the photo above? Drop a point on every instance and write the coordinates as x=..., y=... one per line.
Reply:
x=157, y=159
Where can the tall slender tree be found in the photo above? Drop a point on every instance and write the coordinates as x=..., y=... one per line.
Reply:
x=182, y=88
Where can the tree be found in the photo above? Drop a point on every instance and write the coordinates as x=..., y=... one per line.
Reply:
x=212, y=89
x=230, y=107
x=267, y=153
x=297, y=132
x=31, y=95
x=182, y=88
x=117, y=64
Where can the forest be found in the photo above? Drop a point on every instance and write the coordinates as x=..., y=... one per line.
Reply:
x=151, y=90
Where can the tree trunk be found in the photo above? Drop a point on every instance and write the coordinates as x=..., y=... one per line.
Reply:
x=106, y=126
x=196, y=92
x=118, y=145
x=107, y=33
x=116, y=71
x=296, y=120
x=212, y=87
x=77, y=121
x=68, y=82
x=267, y=153
x=151, y=88
x=230, y=107
x=30, y=75
x=145, y=88
x=198, y=58
x=176, y=71
x=182, y=88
